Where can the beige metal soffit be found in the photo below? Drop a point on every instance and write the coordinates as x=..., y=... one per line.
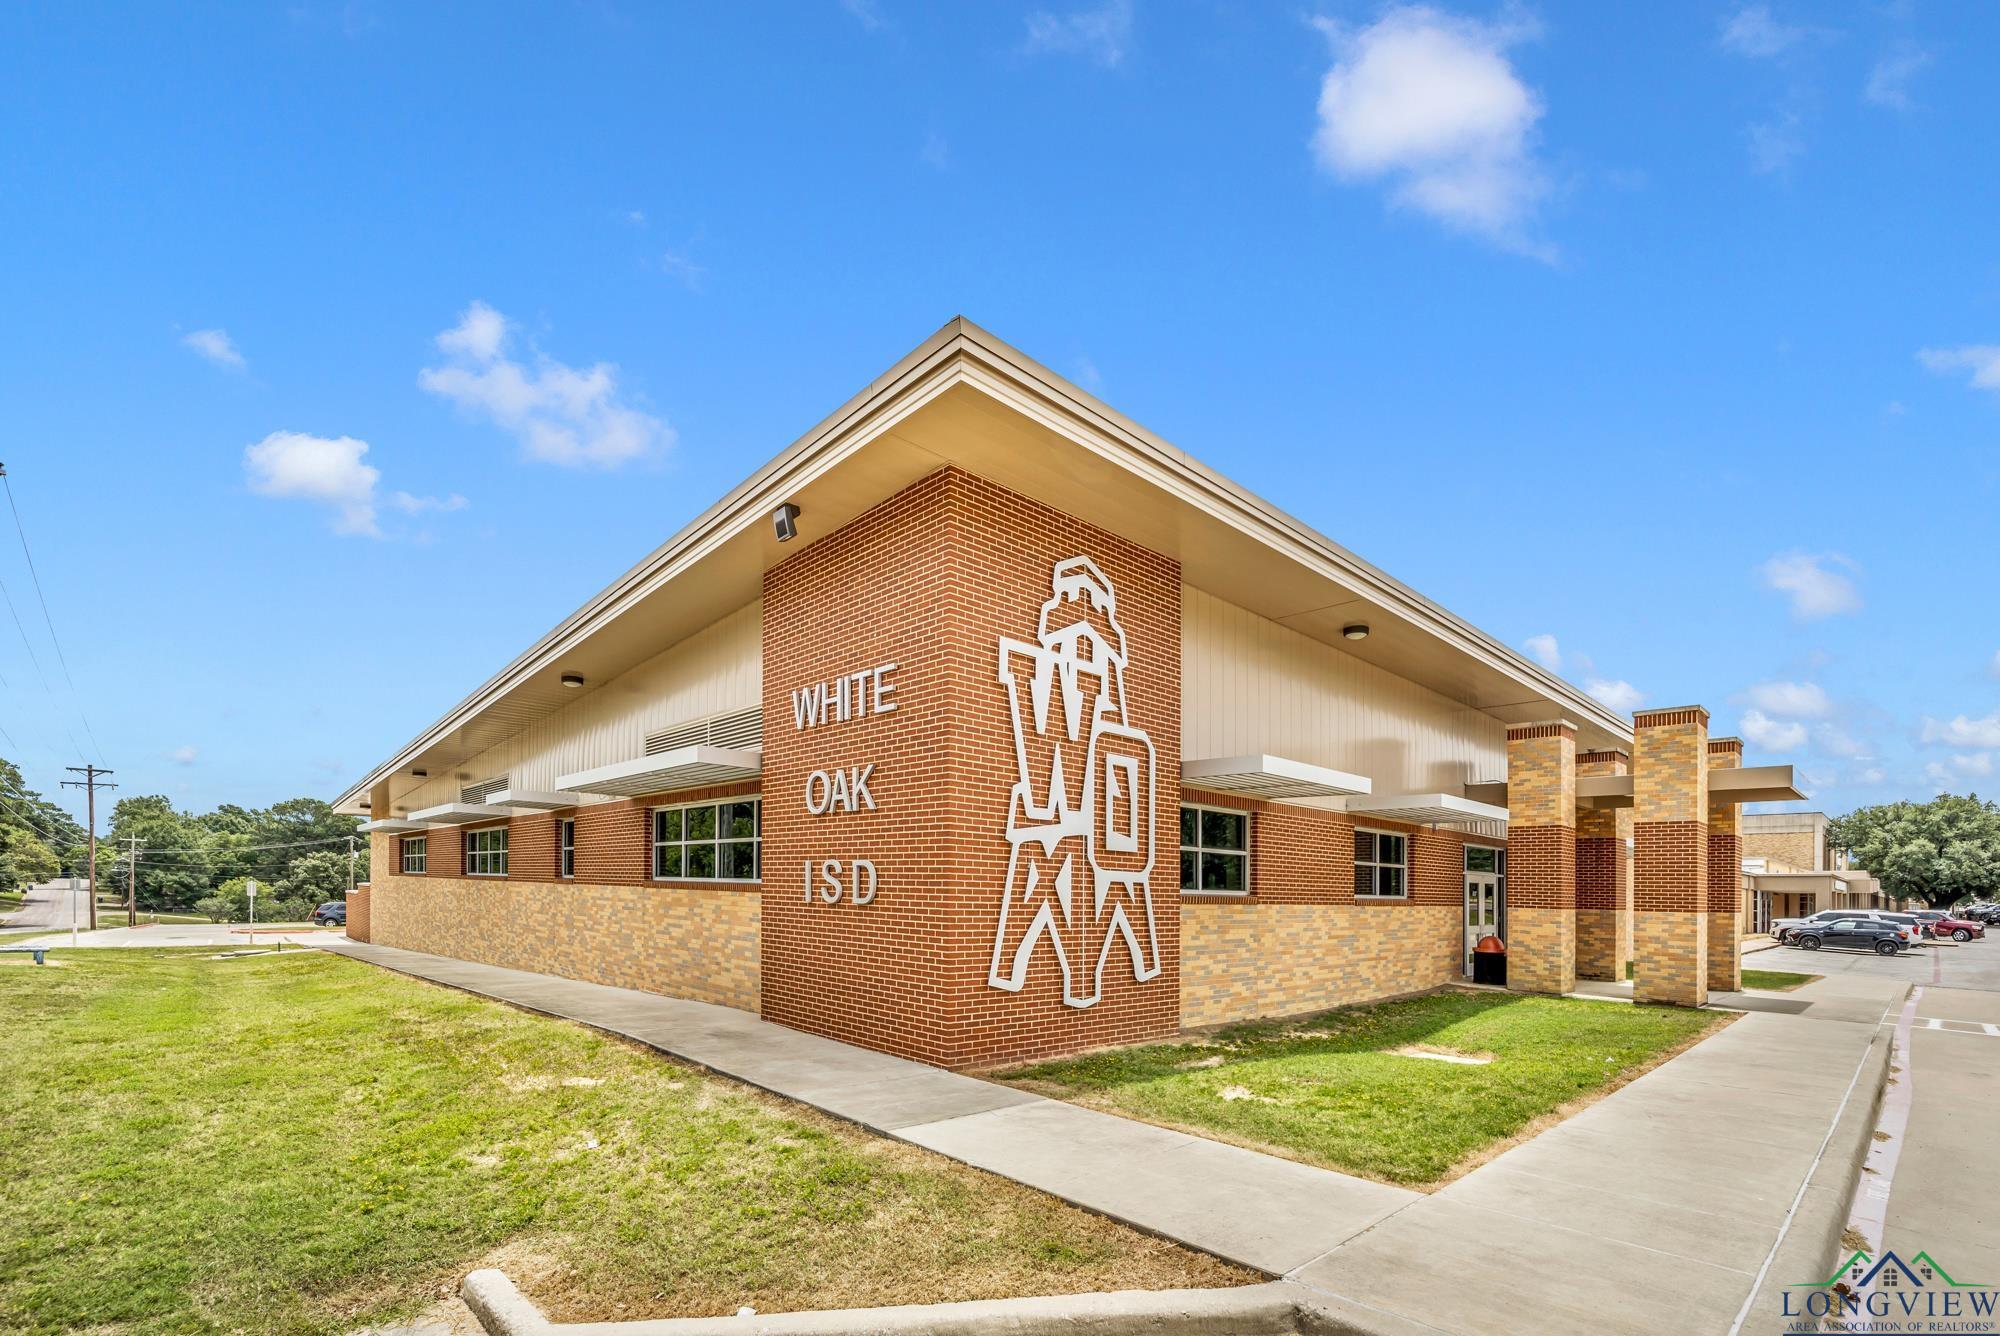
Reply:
x=539, y=800
x=1425, y=809
x=392, y=825
x=1271, y=778
x=668, y=771
x=1754, y=784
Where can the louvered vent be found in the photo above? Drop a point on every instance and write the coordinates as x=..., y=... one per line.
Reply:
x=738, y=728
x=484, y=789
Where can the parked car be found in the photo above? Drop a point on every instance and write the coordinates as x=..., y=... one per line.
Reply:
x=1865, y=934
x=332, y=913
x=1959, y=929
x=1786, y=929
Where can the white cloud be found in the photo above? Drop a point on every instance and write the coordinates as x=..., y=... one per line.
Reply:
x=1431, y=102
x=417, y=505
x=1889, y=81
x=216, y=346
x=183, y=755
x=1102, y=34
x=1964, y=731
x=1771, y=734
x=1816, y=590
x=1964, y=765
x=1981, y=359
x=560, y=414
x=1790, y=700
x=1619, y=694
x=865, y=12
x=1870, y=775
x=1775, y=144
x=1544, y=650
x=317, y=468
x=1835, y=741
x=1753, y=32
x=688, y=272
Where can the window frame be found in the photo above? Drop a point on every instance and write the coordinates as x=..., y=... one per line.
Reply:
x=566, y=848
x=422, y=869
x=655, y=843
x=486, y=854
x=1201, y=850
x=1402, y=864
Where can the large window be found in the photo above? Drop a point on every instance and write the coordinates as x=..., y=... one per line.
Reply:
x=486, y=852
x=566, y=848
x=707, y=841
x=1215, y=850
x=1381, y=864
x=416, y=854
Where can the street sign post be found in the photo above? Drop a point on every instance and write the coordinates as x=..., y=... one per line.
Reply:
x=250, y=889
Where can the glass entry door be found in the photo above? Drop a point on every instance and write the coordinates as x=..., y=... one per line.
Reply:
x=1482, y=911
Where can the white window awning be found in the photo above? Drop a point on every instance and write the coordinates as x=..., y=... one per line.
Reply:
x=1271, y=778
x=536, y=800
x=1427, y=809
x=460, y=814
x=681, y=768
x=390, y=825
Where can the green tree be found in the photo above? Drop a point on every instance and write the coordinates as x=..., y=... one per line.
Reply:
x=176, y=862
x=318, y=877
x=24, y=858
x=1941, y=852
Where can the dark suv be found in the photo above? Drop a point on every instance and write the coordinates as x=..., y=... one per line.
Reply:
x=331, y=913
x=1858, y=933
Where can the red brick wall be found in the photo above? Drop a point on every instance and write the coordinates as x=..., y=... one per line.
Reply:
x=357, y=914
x=931, y=580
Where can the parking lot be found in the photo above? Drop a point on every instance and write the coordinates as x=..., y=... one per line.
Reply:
x=1941, y=1196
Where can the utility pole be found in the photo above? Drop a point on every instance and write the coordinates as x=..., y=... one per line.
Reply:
x=350, y=867
x=90, y=784
x=132, y=882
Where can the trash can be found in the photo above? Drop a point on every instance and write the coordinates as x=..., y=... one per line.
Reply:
x=1489, y=961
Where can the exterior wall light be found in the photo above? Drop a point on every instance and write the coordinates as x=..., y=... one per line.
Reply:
x=785, y=520
x=1355, y=630
x=572, y=680
x=421, y=774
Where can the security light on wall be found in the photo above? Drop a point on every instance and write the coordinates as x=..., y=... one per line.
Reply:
x=421, y=774
x=572, y=680
x=1355, y=630
x=785, y=520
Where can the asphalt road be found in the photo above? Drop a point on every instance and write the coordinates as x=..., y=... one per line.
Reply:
x=50, y=907
x=1942, y=1196
x=179, y=934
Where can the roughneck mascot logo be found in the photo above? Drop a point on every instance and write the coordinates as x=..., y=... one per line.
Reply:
x=1080, y=821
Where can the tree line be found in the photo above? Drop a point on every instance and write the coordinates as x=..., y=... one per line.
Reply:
x=1942, y=852
x=296, y=850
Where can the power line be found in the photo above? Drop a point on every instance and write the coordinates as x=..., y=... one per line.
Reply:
x=49, y=621
x=244, y=848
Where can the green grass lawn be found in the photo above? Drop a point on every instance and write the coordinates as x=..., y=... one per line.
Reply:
x=1782, y=981
x=1329, y=1090
x=303, y=1143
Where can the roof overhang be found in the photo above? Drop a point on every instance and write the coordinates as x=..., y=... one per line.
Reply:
x=1754, y=784
x=1427, y=809
x=965, y=398
x=460, y=814
x=681, y=768
x=535, y=800
x=392, y=826
x=1793, y=883
x=1271, y=778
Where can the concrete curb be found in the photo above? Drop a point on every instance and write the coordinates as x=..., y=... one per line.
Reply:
x=1274, y=1308
x=1813, y=1246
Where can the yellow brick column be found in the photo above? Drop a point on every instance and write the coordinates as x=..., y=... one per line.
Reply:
x=1603, y=877
x=1725, y=876
x=1670, y=856
x=1541, y=857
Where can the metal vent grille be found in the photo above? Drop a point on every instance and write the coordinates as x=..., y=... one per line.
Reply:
x=484, y=789
x=739, y=728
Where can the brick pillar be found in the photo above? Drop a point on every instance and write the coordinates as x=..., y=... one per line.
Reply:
x=1725, y=877
x=1541, y=857
x=1603, y=877
x=1670, y=856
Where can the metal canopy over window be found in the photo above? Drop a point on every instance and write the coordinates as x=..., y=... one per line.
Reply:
x=392, y=826
x=460, y=814
x=1271, y=778
x=1427, y=809
x=682, y=768
x=539, y=800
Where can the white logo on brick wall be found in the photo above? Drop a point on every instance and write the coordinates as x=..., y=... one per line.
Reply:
x=1080, y=820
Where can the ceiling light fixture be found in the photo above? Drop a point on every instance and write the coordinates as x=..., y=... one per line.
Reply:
x=572, y=680
x=1355, y=630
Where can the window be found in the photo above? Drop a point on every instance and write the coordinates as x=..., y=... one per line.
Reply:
x=1485, y=858
x=1381, y=863
x=416, y=854
x=707, y=841
x=486, y=852
x=1215, y=850
x=566, y=848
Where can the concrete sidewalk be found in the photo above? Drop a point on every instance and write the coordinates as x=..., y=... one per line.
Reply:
x=1664, y=1207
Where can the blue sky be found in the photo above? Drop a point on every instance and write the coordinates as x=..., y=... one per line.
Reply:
x=1661, y=341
